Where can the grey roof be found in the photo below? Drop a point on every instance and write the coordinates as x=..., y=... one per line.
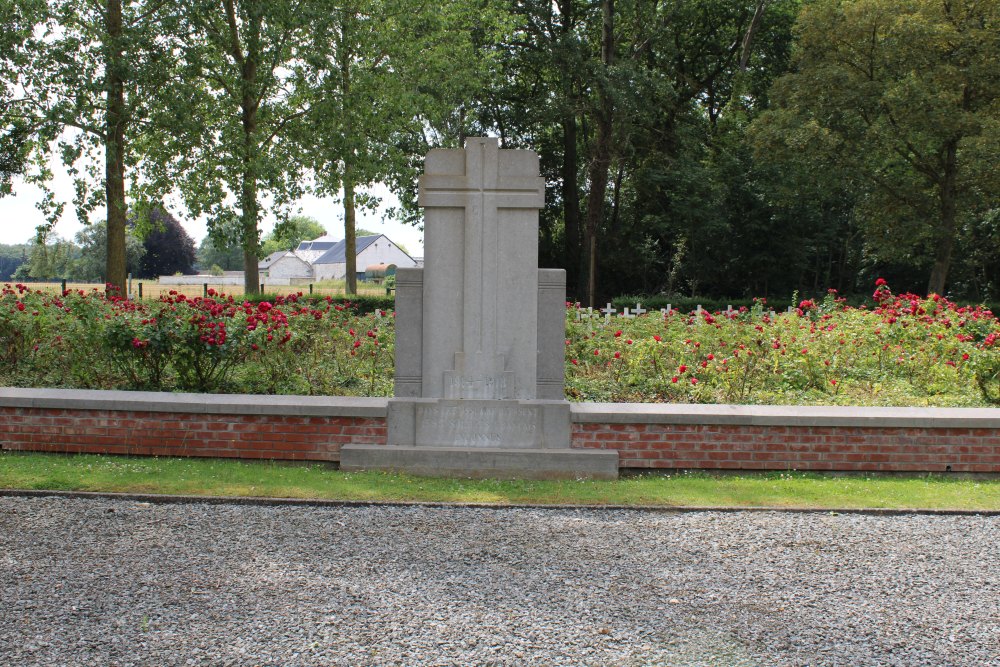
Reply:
x=271, y=259
x=336, y=254
x=317, y=245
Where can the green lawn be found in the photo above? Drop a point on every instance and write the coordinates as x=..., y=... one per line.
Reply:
x=242, y=478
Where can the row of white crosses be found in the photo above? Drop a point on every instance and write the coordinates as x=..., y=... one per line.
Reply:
x=609, y=311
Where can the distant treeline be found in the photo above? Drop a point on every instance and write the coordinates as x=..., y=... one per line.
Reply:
x=11, y=257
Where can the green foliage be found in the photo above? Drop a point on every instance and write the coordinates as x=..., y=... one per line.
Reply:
x=17, y=22
x=85, y=77
x=226, y=258
x=275, y=344
x=366, y=303
x=93, y=241
x=53, y=261
x=677, y=101
x=290, y=232
x=901, y=108
x=389, y=71
x=14, y=143
x=361, y=304
x=11, y=257
x=233, y=129
x=732, y=166
x=140, y=352
x=687, y=304
x=907, y=350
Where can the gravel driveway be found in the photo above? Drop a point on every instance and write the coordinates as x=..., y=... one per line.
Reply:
x=116, y=582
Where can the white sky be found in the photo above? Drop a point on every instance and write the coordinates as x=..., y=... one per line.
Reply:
x=19, y=215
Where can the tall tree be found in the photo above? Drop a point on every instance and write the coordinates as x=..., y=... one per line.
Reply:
x=902, y=95
x=231, y=134
x=86, y=76
x=600, y=160
x=540, y=103
x=616, y=96
x=16, y=26
x=395, y=69
x=53, y=260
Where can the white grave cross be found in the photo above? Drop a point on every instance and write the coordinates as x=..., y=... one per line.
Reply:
x=608, y=312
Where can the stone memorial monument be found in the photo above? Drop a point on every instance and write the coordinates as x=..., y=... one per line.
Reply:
x=480, y=333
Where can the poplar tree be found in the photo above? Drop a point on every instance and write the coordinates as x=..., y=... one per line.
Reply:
x=84, y=77
x=389, y=76
x=228, y=142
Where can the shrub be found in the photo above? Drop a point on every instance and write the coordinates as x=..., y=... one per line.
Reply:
x=906, y=350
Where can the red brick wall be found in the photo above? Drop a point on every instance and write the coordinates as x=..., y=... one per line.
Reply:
x=842, y=448
x=650, y=445
x=184, y=434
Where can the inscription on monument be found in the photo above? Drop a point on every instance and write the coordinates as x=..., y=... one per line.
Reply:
x=477, y=425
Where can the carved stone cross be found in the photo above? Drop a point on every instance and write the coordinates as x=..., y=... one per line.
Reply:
x=483, y=186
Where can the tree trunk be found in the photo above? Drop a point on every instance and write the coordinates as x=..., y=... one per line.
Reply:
x=571, y=199
x=250, y=208
x=600, y=163
x=572, y=250
x=249, y=234
x=114, y=150
x=747, y=45
x=948, y=195
x=350, y=238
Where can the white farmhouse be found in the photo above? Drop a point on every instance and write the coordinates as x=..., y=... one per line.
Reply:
x=375, y=249
x=285, y=265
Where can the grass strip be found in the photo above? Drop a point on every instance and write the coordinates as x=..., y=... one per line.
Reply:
x=214, y=477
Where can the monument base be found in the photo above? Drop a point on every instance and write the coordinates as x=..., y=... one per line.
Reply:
x=481, y=438
x=482, y=462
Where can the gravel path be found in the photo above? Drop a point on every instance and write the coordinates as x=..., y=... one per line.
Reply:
x=103, y=582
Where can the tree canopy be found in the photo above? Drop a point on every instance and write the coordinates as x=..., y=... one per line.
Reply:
x=900, y=98
x=82, y=79
x=289, y=233
x=712, y=148
x=167, y=248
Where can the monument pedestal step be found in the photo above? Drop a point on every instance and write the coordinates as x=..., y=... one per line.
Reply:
x=482, y=462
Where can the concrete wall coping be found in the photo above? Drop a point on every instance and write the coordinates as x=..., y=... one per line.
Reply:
x=152, y=401
x=580, y=413
x=783, y=415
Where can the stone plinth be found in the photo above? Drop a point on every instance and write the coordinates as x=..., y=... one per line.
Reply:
x=493, y=463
